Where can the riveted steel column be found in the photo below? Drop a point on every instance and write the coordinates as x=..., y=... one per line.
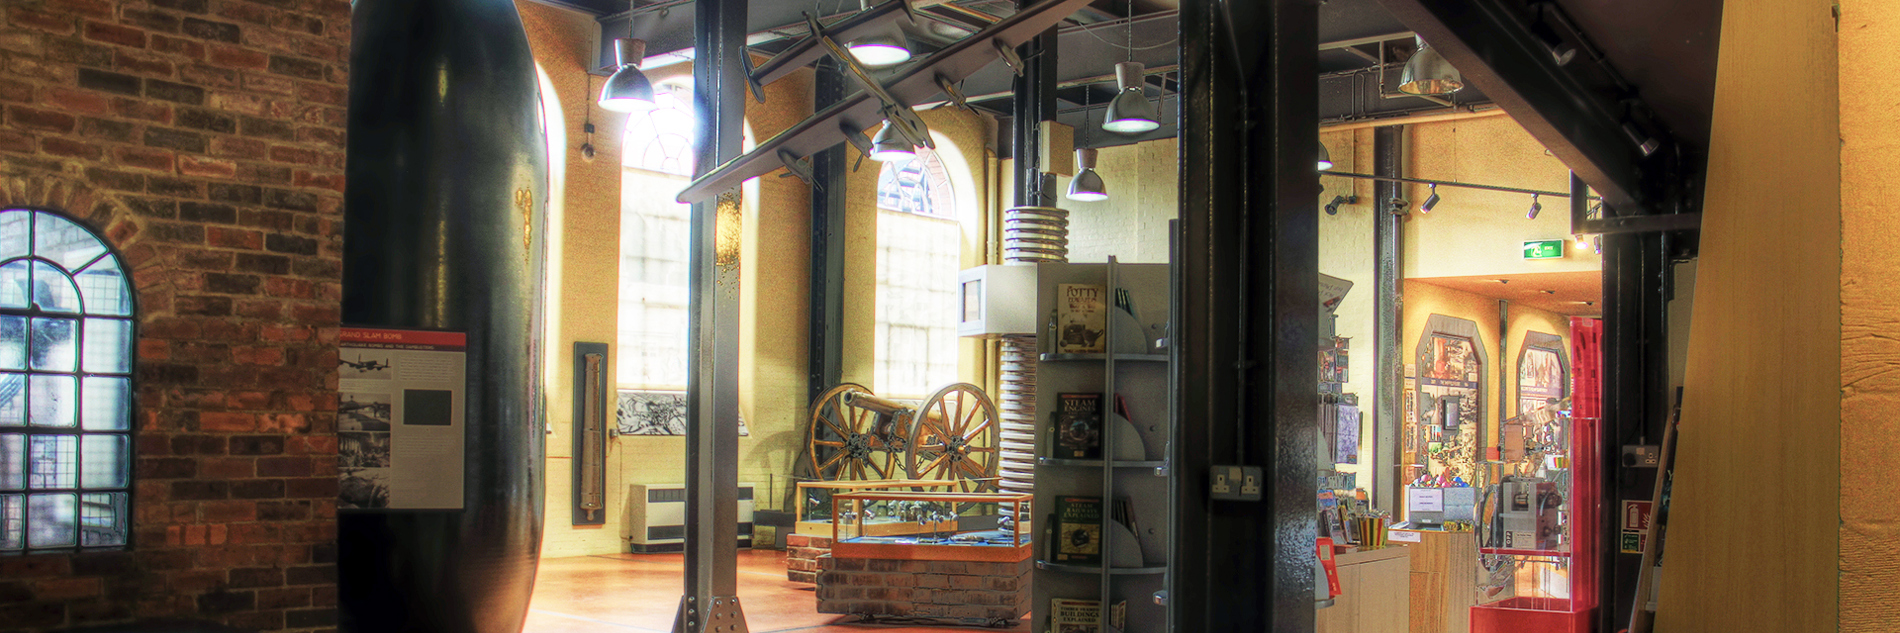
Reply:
x=825, y=350
x=1246, y=311
x=1388, y=299
x=711, y=604
x=1636, y=402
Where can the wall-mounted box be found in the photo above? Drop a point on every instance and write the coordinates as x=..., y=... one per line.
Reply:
x=997, y=300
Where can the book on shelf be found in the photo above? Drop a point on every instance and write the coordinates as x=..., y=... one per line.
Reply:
x=1084, y=616
x=1081, y=319
x=1078, y=531
x=1077, y=426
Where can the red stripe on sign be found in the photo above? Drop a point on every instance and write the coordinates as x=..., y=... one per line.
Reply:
x=404, y=337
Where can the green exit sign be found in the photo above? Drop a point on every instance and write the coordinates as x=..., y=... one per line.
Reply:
x=1544, y=249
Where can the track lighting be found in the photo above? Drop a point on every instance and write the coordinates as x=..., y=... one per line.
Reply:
x=1431, y=200
x=1130, y=112
x=1087, y=186
x=1332, y=208
x=1536, y=208
x=1427, y=73
x=882, y=47
x=628, y=89
x=1582, y=243
x=1325, y=158
x=889, y=146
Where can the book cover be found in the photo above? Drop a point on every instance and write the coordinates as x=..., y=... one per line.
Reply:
x=1075, y=616
x=1078, y=426
x=1081, y=319
x=1078, y=530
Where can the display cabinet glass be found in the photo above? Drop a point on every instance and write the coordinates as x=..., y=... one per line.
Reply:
x=895, y=524
x=814, y=498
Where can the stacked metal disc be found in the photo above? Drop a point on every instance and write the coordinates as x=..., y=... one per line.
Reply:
x=1031, y=235
x=1035, y=234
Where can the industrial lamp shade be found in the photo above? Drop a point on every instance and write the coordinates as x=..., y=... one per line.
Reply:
x=1325, y=158
x=1427, y=73
x=1087, y=186
x=888, y=145
x=883, y=47
x=1130, y=112
x=628, y=90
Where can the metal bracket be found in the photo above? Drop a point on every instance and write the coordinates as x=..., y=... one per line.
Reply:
x=724, y=616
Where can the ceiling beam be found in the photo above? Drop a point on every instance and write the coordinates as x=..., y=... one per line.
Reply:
x=1582, y=112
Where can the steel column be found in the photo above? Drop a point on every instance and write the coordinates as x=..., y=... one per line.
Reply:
x=825, y=348
x=1636, y=399
x=1246, y=312
x=1388, y=287
x=710, y=603
x=1035, y=102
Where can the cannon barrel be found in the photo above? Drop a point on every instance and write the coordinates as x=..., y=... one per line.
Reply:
x=874, y=404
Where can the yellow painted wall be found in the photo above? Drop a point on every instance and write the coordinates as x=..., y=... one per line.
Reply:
x=584, y=286
x=1132, y=224
x=1345, y=251
x=1477, y=232
x=1755, y=534
x=1870, y=432
x=584, y=247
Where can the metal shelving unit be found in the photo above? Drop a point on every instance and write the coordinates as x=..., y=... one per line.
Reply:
x=1139, y=373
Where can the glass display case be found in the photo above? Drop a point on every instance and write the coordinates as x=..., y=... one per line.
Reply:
x=814, y=498
x=904, y=525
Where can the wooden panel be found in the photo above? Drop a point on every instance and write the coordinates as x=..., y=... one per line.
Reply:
x=1754, y=530
x=1870, y=156
x=1444, y=581
x=1375, y=591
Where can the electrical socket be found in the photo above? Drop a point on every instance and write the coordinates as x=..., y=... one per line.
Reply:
x=1236, y=483
x=1642, y=456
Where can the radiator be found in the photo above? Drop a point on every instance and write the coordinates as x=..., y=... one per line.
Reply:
x=659, y=517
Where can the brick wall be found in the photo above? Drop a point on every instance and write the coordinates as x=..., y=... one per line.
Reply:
x=954, y=590
x=205, y=139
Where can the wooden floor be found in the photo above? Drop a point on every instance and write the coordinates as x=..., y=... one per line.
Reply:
x=638, y=593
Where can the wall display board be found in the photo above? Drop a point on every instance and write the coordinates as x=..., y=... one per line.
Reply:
x=1449, y=398
x=400, y=419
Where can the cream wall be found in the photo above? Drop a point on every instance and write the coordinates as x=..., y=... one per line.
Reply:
x=1760, y=537
x=1478, y=232
x=1870, y=433
x=1345, y=251
x=1132, y=224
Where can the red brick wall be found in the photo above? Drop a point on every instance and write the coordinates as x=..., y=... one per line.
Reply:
x=951, y=590
x=205, y=139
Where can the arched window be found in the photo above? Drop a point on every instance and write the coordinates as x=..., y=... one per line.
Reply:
x=919, y=251
x=65, y=387
x=661, y=139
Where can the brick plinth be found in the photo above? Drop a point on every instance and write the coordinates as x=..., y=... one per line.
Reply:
x=802, y=552
x=955, y=590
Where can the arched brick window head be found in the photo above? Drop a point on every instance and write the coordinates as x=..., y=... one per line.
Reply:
x=66, y=336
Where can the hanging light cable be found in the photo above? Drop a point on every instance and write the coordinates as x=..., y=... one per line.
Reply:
x=628, y=90
x=882, y=47
x=1131, y=112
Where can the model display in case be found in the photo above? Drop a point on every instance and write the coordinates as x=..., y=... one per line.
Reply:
x=811, y=537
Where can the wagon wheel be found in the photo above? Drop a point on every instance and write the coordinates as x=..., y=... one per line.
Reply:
x=954, y=436
x=843, y=444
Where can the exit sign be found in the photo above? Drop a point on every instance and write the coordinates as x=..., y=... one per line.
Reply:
x=1544, y=249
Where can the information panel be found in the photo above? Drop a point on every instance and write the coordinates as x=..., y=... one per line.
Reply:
x=400, y=419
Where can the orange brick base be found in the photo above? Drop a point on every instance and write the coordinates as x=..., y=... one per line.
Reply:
x=989, y=592
x=802, y=552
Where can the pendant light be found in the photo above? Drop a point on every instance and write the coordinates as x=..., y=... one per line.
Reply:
x=889, y=146
x=882, y=47
x=1130, y=112
x=1427, y=73
x=1087, y=186
x=628, y=89
x=1325, y=158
